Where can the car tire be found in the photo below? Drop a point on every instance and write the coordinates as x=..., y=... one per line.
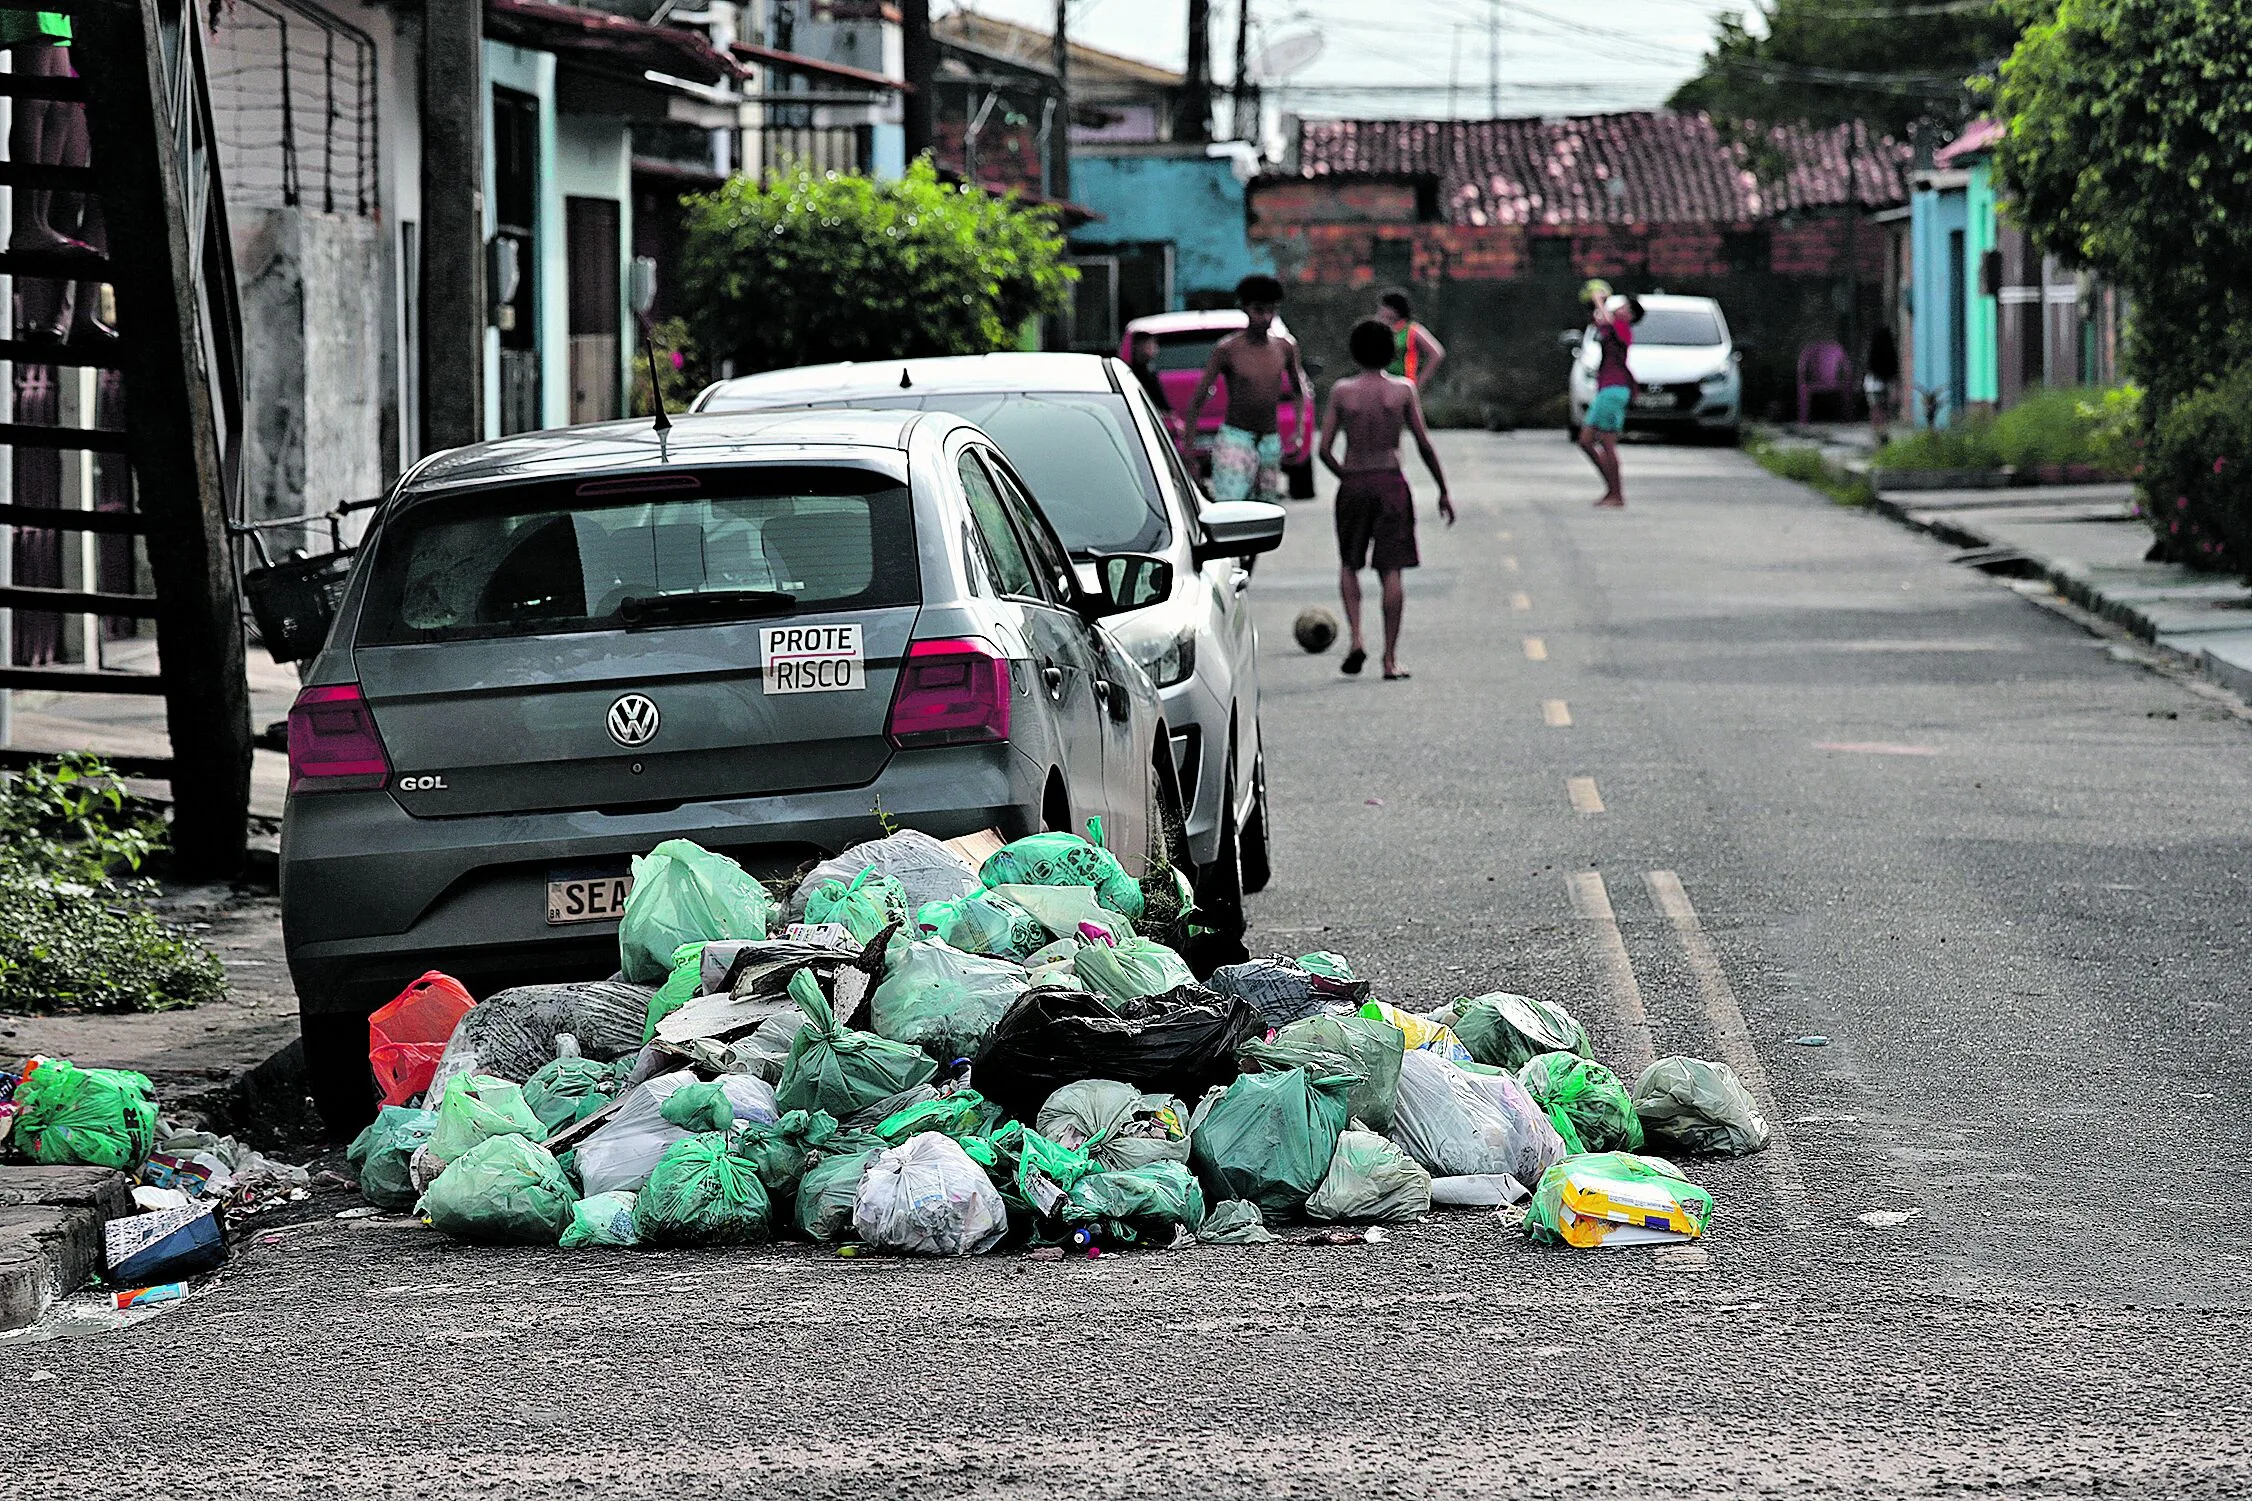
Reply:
x=1255, y=856
x=336, y=1072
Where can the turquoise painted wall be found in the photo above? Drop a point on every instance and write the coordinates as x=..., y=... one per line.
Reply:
x=1196, y=203
x=1984, y=365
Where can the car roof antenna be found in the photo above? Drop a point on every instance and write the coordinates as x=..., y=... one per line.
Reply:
x=905, y=384
x=656, y=391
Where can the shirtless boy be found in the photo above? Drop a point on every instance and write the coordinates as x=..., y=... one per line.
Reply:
x=1259, y=367
x=1375, y=512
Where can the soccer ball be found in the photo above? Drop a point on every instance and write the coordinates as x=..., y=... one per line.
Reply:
x=1316, y=629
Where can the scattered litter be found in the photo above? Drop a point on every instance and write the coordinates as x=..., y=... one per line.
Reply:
x=1814, y=1040
x=359, y=1212
x=1373, y=1235
x=164, y=1245
x=1617, y=1199
x=136, y=1297
x=38, y=1377
x=1477, y=1191
x=1888, y=1219
x=1699, y=1107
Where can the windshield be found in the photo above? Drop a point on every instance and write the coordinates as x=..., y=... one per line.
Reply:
x=1187, y=351
x=1678, y=325
x=1082, y=457
x=553, y=558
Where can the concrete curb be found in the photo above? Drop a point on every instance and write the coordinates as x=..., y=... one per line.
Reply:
x=2075, y=582
x=51, y=1222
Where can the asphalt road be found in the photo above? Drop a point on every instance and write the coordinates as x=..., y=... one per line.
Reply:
x=1846, y=790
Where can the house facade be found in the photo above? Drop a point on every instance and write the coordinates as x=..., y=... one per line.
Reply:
x=1990, y=317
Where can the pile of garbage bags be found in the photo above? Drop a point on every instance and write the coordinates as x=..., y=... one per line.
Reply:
x=926, y=1054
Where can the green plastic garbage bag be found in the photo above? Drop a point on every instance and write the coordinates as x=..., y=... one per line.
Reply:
x=964, y=1113
x=1033, y=1173
x=866, y=905
x=1064, y=860
x=502, y=1189
x=683, y=893
x=1137, y=1203
x=682, y=984
x=1325, y=1045
x=1131, y=969
x=702, y=1194
x=777, y=1150
x=1116, y=1124
x=1269, y=1137
x=477, y=1106
x=1700, y=1107
x=834, y=1068
x=382, y=1150
x=1370, y=1179
x=830, y=1185
x=1062, y=911
x=604, y=1219
x=1508, y=1031
x=1234, y=1222
x=100, y=1117
x=1585, y=1101
x=699, y=1107
x=1328, y=965
x=571, y=1089
x=1600, y=1197
x=940, y=999
x=982, y=925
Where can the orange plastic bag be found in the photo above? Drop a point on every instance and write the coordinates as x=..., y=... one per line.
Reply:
x=407, y=1037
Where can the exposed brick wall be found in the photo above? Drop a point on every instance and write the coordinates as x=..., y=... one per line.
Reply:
x=1299, y=203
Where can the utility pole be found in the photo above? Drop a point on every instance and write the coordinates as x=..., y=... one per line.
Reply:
x=1493, y=60
x=1243, y=114
x=920, y=64
x=1195, y=122
x=453, y=224
x=1059, y=136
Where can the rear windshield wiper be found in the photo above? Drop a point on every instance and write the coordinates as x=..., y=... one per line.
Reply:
x=706, y=604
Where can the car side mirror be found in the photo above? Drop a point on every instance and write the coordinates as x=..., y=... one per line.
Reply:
x=1127, y=581
x=1568, y=339
x=1239, y=528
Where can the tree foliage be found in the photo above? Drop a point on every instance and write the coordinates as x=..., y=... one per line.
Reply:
x=1891, y=63
x=816, y=267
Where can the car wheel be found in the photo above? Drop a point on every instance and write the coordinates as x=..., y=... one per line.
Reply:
x=1258, y=869
x=1219, y=898
x=336, y=1072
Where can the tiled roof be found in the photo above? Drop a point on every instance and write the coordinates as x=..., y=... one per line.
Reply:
x=1631, y=168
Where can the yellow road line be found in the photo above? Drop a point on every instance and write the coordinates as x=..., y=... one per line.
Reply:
x=1557, y=713
x=1536, y=650
x=1585, y=799
x=1591, y=904
x=1520, y=602
x=1729, y=1028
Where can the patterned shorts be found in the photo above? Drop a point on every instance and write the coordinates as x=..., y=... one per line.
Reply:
x=1246, y=466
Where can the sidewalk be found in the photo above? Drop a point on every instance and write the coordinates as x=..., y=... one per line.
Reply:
x=2087, y=542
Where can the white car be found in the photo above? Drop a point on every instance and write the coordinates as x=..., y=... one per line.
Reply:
x=1688, y=373
x=1109, y=479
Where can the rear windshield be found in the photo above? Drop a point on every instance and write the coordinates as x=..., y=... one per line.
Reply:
x=1187, y=351
x=1678, y=325
x=1079, y=453
x=537, y=560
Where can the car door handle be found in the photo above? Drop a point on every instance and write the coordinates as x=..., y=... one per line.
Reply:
x=1053, y=677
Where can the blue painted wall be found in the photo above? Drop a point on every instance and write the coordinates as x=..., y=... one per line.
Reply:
x=1935, y=215
x=1196, y=203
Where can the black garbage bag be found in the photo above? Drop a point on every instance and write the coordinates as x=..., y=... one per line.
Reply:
x=512, y=1035
x=1179, y=1043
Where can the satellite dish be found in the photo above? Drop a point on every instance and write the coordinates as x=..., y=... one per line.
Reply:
x=1284, y=56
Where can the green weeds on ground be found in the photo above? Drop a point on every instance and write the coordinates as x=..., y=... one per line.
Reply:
x=1809, y=467
x=2068, y=429
x=76, y=933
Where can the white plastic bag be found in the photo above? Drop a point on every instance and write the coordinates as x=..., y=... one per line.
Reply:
x=624, y=1150
x=1456, y=1122
x=1370, y=1178
x=1062, y=909
x=926, y=1197
x=926, y=867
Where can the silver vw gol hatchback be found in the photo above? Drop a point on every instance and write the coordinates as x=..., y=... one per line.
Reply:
x=764, y=632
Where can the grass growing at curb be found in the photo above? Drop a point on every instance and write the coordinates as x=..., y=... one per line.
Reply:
x=75, y=930
x=1809, y=467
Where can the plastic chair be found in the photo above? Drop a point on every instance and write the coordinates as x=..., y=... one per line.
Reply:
x=1823, y=369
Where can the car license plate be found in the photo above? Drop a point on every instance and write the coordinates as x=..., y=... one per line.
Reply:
x=1645, y=401
x=580, y=897
x=813, y=658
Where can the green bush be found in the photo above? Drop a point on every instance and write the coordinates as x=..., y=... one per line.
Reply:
x=2071, y=429
x=818, y=267
x=75, y=933
x=2197, y=485
x=1808, y=467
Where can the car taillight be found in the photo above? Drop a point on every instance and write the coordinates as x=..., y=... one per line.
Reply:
x=333, y=746
x=950, y=693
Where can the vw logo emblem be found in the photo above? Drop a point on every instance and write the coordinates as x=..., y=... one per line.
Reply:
x=633, y=720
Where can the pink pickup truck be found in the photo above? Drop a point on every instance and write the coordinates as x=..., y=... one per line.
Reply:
x=1184, y=342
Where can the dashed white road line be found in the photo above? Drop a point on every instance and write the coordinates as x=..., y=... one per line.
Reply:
x=1582, y=791
x=1730, y=1030
x=1536, y=650
x=1557, y=713
x=1591, y=904
x=1521, y=602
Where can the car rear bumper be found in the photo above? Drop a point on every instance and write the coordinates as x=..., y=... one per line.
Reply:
x=372, y=897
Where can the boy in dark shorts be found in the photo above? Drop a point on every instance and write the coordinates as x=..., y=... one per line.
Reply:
x=1375, y=511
